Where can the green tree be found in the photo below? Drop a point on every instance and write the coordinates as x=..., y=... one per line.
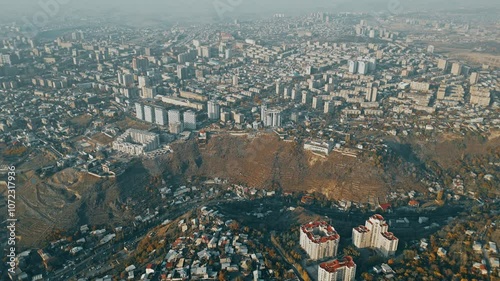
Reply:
x=351, y=251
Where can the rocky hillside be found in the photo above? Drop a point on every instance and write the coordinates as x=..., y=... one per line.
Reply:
x=71, y=198
x=476, y=159
x=267, y=162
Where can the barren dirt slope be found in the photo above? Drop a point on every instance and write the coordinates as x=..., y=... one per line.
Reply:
x=268, y=162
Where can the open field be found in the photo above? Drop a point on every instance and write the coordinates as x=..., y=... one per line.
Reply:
x=102, y=139
x=81, y=121
x=133, y=124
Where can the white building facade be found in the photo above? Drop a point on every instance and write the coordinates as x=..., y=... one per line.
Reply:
x=375, y=234
x=160, y=116
x=337, y=270
x=272, y=118
x=319, y=240
x=213, y=110
x=136, y=142
x=189, y=120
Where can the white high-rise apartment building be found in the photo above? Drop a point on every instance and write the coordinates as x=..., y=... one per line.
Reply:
x=371, y=94
x=362, y=67
x=139, y=111
x=317, y=102
x=144, y=81
x=306, y=97
x=149, y=114
x=287, y=92
x=319, y=240
x=372, y=64
x=263, y=109
x=328, y=107
x=337, y=270
x=190, y=120
x=174, y=116
x=296, y=94
x=456, y=68
x=272, y=118
x=279, y=88
x=374, y=234
x=353, y=66
x=474, y=78
x=160, y=116
x=148, y=92
x=126, y=80
x=442, y=64
x=213, y=109
x=140, y=63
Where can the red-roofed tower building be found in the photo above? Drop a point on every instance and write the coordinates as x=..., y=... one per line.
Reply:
x=319, y=240
x=374, y=234
x=337, y=270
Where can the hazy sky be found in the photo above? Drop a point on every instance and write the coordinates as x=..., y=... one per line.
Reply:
x=215, y=8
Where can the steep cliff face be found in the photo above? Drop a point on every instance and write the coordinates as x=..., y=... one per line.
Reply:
x=267, y=162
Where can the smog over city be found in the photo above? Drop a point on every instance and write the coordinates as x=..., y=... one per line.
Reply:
x=249, y=140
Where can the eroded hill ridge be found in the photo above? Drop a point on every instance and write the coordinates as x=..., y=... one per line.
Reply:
x=267, y=162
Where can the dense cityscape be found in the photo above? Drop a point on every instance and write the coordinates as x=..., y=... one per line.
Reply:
x=321, y=146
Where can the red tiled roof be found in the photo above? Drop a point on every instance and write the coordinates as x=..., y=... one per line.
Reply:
x=385, y=206
x=334, y=265
x=413, y=203
x=389, y=236
x=361, y=229
x=330, y=233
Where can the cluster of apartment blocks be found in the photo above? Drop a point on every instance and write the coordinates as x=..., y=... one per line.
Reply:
x=368, y=103
x=137, y=142
x=171, y=118
x=333, y=95
x=362, y=66
x=363, y=29
x=178, y=121
x=420, y=94
x=479, y=95
x=320, y=241
x=322, y=96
